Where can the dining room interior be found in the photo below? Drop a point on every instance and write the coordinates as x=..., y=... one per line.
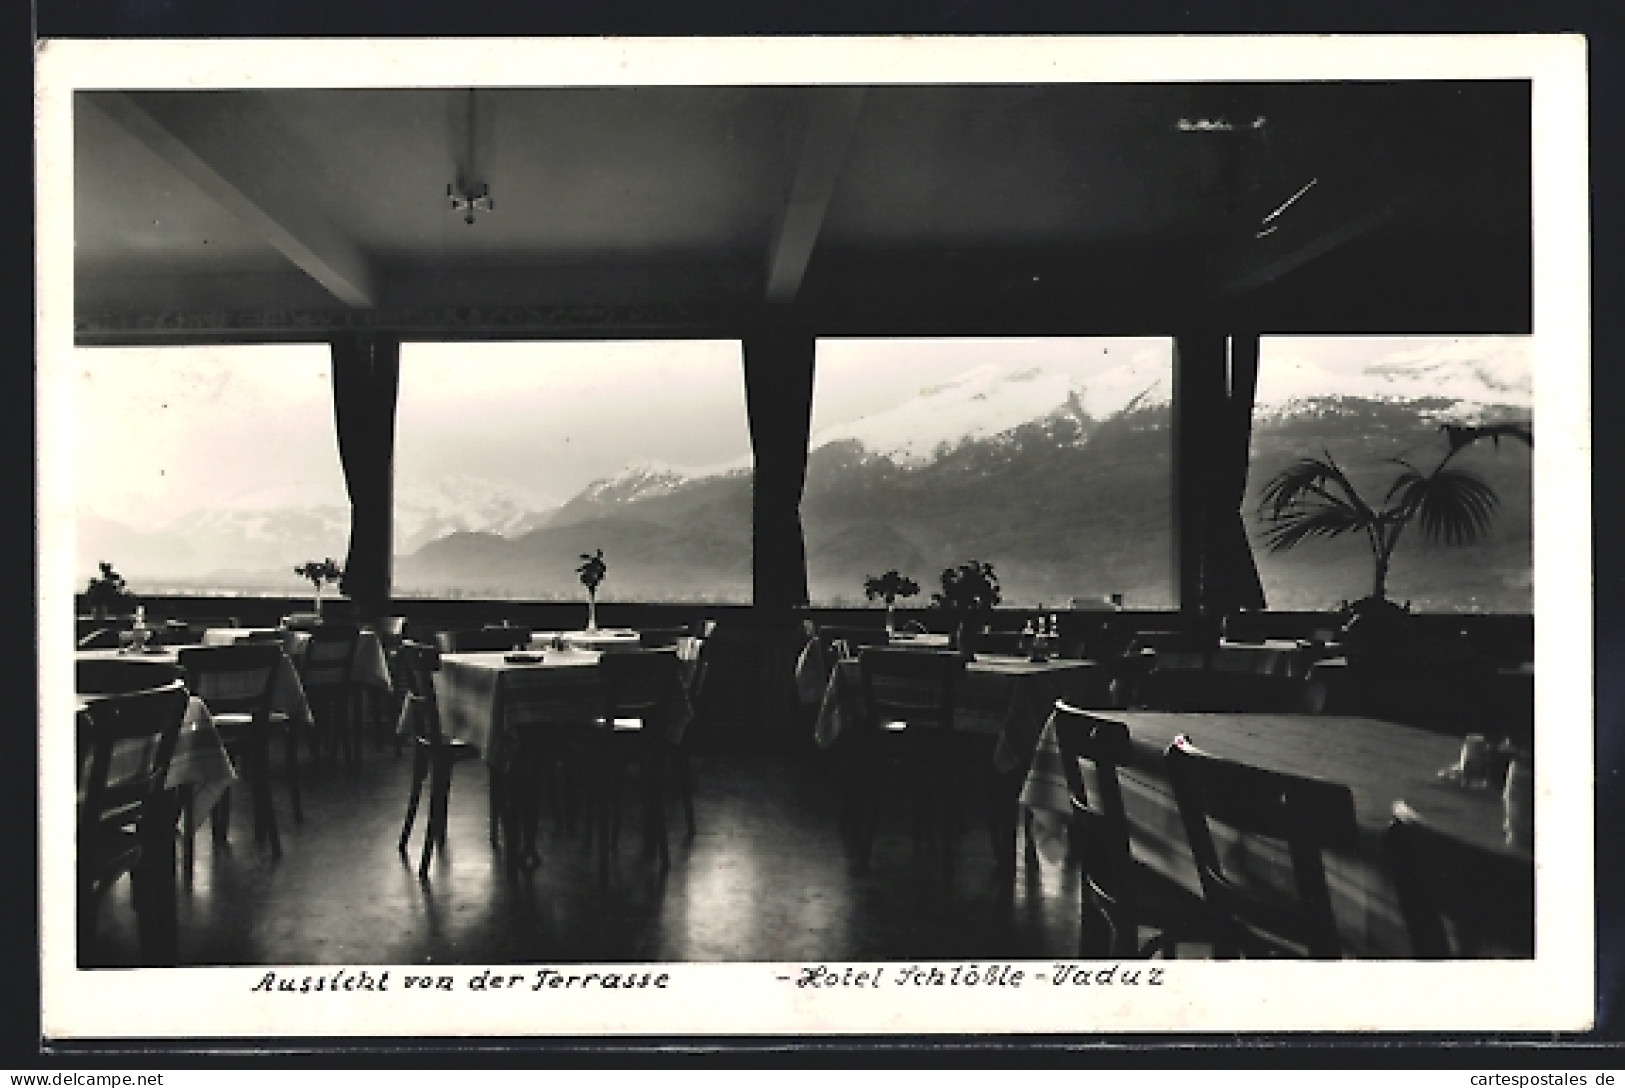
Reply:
x=825, y=523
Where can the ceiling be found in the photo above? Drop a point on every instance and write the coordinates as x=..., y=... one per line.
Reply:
x=265, y=214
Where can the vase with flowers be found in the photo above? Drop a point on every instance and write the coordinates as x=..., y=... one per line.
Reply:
x=889, y=587
x=591, y=572
x=969, y=593
x=320, y=572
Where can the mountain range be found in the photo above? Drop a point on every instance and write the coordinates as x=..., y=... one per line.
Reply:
x=1064, y=485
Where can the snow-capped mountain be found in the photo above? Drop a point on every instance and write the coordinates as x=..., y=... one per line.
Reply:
x=991, y=399
x=430, y=507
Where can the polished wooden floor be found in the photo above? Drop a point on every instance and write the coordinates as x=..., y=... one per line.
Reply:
x=765, y=878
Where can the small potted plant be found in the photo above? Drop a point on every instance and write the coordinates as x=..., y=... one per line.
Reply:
x=320, y=572
x=106, y=592
x=888, y=587
x=970, y=591
x=591, y=572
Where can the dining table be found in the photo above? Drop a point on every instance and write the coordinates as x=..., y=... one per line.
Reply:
x=287, y=696
x=1006, y=698
x=371, y=661
x=472, y=691
x=1381, y=762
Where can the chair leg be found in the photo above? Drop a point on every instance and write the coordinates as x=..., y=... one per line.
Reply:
x=420, y=769
x=220, y=817
x=188, y=832
x=439, y=789
x=494, y=790
x=291, y=756
x=686, y=788
x=265, y=829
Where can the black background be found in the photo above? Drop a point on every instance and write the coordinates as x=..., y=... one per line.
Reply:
x=1602, y=21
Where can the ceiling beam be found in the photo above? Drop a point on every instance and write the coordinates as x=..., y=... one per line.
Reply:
x=1260, y=259
x=832, y=119
x=233, y=150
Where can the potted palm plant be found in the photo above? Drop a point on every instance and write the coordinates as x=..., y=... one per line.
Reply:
x=888, y=587
x=591, y=572
x=969, y=593
x=1313, y=497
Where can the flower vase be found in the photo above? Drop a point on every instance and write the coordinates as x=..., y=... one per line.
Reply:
x=891, y=620
x=318, y=604
x=592, y=612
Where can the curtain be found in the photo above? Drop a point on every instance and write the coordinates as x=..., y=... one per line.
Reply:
x=366, y=379
x=1215, y=380
x=778, y=400
x=1232, y=573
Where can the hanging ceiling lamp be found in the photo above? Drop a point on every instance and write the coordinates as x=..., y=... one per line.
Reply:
x=460, y=195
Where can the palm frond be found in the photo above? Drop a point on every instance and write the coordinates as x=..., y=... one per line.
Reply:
x=1288, y=528
x=1305, y=481
x=1452, y=506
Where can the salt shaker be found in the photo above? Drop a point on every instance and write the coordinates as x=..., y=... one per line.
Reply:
x=1518, y=802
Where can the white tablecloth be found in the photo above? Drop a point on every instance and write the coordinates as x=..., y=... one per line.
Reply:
x=1006, y=697
x=288, y=696
x=200, y=760
x=469, y=689
x=371, y=663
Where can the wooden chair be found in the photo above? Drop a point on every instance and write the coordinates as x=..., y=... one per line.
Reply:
x=839, y=643
x=908, y=697
x=124, y=825
x=1307, y=815
x=237, y=684
x=327, y=671
x=1117, y=891
x=471, y=640
x=545, y=716
x=1459, y=900
x=638, y=687
x=434, y=755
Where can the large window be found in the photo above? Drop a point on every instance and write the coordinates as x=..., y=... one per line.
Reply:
x=206, y=469
x=1049, y=458
x=513, y=459
x=1364, y=401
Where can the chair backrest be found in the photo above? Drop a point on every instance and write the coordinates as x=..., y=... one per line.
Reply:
x=416, y=665
x=391, y=629
x=1100, y=821
x=1458, y=899
x=237, y=679
x=137, y=729
x=542, y=698
x=912, y=686
x=1308, y=815
x=112, y=675
x=853, y=638
x=329, y=657
x=638, y=683
x=482, y=638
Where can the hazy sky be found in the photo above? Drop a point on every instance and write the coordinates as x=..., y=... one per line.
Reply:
x=164, y=430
